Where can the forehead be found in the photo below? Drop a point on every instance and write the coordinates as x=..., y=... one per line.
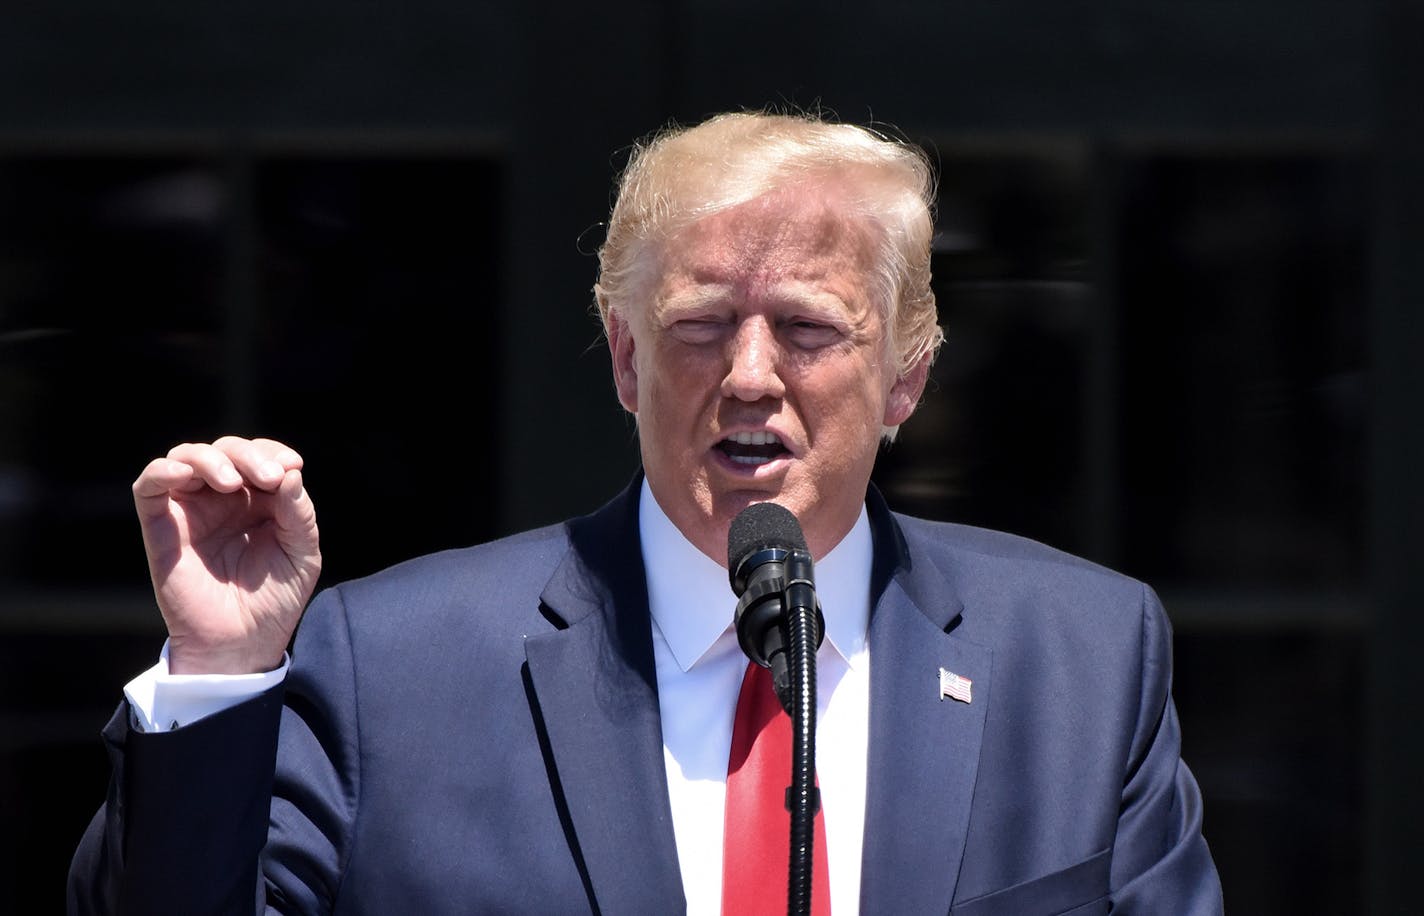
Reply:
x=793, y=237
x=775, y=231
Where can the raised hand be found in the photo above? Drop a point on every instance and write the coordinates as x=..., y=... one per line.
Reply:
x=232, y=549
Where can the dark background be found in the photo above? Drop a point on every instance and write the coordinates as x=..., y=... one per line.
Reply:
x=1178, y=264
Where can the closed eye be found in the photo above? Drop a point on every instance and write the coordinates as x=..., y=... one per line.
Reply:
x=698, y=330
x=810, y=335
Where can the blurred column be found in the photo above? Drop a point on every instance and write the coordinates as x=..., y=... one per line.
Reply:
x=240, y=300
x=1102, y=407
x=1396, y=747
x=594, y=83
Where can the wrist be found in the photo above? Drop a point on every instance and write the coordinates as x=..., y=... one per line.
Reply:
x=184, y=657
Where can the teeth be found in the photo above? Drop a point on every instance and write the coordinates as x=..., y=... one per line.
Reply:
x=747, y=459
x=759, y=437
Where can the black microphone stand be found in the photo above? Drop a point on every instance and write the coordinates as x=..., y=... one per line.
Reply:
x=803, y=799
x=779, y=627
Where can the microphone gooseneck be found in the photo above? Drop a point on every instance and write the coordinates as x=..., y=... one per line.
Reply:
x=779, y=626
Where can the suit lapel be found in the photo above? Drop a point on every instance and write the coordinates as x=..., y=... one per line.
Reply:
x=596, y=692
x=595, y=687
x=924, y=750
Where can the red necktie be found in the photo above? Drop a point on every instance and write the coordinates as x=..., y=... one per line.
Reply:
x=756, y=843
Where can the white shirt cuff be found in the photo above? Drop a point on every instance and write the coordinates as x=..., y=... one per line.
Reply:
x=162, y=702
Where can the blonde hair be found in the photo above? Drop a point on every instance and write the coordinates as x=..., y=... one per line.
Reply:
x=681, y=175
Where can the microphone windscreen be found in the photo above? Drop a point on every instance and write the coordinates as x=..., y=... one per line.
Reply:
x=759, y=527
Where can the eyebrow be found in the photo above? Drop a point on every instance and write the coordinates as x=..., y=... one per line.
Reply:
x=698, y=297
x=791, y=292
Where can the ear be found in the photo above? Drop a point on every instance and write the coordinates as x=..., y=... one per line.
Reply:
x=905, y=394
x=622, y=348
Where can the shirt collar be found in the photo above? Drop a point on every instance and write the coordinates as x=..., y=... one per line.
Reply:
x=692, y=603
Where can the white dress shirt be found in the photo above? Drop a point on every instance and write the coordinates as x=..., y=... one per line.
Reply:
x=699, y=670
x=162, y=702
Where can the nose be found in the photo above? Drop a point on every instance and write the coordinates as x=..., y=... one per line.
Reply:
x=752, y=358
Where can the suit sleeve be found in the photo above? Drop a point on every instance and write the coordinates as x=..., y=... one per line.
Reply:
x=185, y=817
x=318, y=777
x=247, y=810
x=1161, y=863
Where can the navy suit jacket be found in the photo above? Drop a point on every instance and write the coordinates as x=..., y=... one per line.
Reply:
x=478, y=731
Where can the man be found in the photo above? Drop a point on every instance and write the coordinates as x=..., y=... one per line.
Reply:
x=543, y=724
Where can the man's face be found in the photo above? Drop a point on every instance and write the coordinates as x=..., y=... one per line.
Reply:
x=759, y=370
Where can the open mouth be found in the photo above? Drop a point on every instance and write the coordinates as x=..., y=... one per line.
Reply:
x=752, y=449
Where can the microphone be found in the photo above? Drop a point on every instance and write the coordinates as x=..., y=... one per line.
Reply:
x=771, y=573
x=779, y=626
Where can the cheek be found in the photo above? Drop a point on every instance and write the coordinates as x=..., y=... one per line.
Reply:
x=686, y=377
x=847, y=428
x=860, y=399
x=670, y=409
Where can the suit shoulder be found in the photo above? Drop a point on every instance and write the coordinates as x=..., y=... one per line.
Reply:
x=992, y=544
x=514, y=555
x=1022, y=597
x=964, y=552
x=495, y=584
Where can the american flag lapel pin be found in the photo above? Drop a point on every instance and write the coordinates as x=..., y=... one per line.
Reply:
x=954, y=686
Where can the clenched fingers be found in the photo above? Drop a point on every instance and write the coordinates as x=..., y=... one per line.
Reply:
x=225, y=466
x=232, y=462
x=293, y=505
x=295, y=516
x=261, y=462
x=279, y=452
x=229, y=463
x=159, y=478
